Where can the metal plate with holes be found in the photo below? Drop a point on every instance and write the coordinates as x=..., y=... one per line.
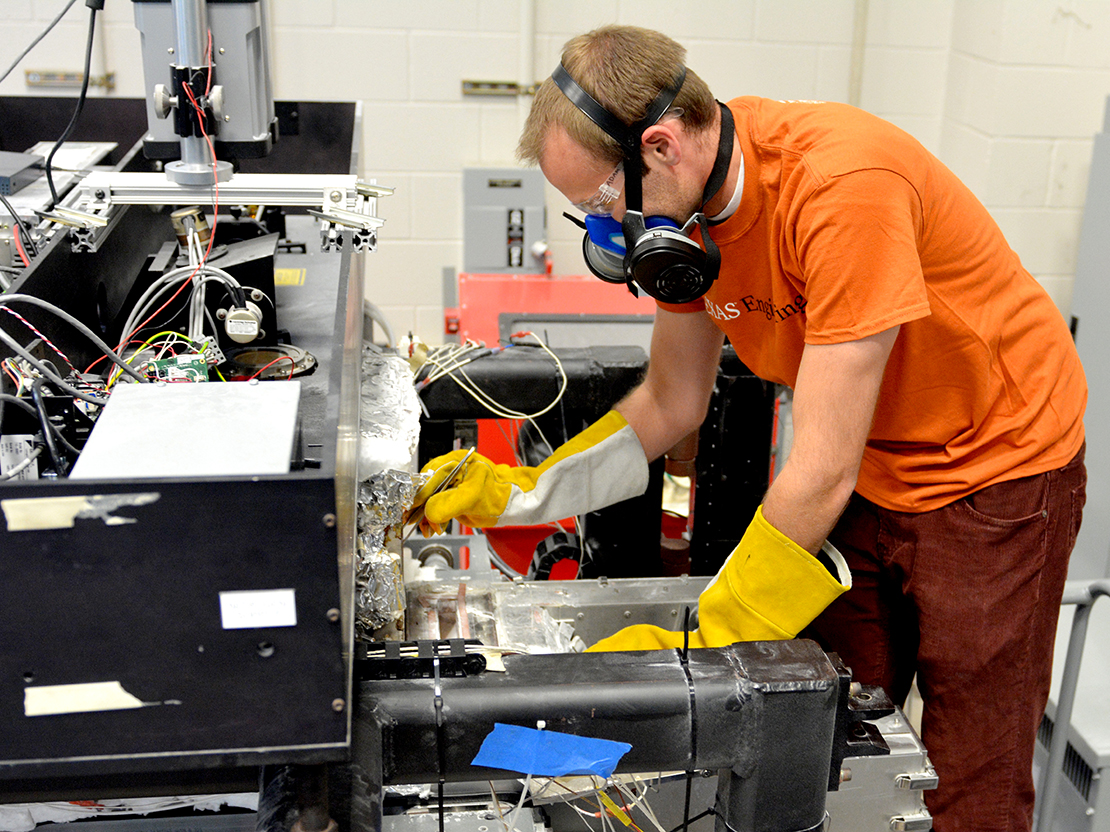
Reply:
x=878, y=794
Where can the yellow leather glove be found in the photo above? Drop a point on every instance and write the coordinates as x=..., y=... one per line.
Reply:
x=768, y=589
x=602, y=465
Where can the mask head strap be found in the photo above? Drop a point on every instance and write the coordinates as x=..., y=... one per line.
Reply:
x=628, y=136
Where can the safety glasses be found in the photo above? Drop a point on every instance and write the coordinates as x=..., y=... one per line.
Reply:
x=601, y=203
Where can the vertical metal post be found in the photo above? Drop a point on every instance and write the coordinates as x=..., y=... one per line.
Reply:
x=1084, y=597
x=196, y=167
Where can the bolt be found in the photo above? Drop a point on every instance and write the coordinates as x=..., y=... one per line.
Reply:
x=99, y=194
x=628, y=613
x=227, y=118
x=333, y=615
x=674, y=613
x=336, y=196
x=170, y=50
x=222, y=50
x=329, y=520
x=581, y=616
x=338, y=705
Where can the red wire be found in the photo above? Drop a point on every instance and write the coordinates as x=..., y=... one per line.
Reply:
x=19, y=246
x=215, y=201
x=208, y=60
x=11, y=375
x=45, y=340
x=292, y=367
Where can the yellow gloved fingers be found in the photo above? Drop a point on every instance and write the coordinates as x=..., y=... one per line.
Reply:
x=477, y=498
x=644, y=637
x=769, y=589
x=440, y=468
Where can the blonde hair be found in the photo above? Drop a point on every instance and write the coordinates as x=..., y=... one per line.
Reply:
x=624, y=68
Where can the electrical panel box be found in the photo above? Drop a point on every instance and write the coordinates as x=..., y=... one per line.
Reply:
x=503, y=220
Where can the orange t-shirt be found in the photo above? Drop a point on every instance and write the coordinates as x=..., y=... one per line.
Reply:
x=847, y=227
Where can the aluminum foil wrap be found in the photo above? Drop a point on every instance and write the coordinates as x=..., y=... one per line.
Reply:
x=379, y=579
x=389, y=413
x=389, y=428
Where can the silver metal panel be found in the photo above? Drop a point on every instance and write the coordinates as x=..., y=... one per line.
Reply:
x=1091, y=296
x=873, y=798
x=192, y=430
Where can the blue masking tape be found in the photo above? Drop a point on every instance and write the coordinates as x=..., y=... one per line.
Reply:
x=548, y=753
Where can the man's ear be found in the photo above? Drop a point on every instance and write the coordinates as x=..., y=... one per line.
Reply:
x=661, y=144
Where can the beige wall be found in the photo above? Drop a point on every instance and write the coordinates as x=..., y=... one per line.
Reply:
x=1009, y=93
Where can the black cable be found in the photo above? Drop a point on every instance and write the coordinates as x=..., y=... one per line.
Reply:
x=77, y=111
x=684, y=659
x=710, y=811
x=35, y=42
x=32, y=249
x=47, y=428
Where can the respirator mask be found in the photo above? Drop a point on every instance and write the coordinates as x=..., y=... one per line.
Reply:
x=652, y=254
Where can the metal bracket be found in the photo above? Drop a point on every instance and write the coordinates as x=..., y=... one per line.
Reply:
x=918, y=780
x=912, y=823
x=87, y=228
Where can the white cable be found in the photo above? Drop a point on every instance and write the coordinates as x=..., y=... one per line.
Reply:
x=510, y=825
x=641, y=803
x=498, y=409
x=159, y=286
x=12, y=473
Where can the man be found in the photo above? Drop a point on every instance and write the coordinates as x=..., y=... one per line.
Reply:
x=938, y=399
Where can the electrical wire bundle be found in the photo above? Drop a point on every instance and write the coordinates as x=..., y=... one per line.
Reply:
x=30, y=375
x=449, y=361
x=592, y=802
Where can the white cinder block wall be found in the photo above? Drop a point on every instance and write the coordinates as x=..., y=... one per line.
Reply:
x=1009, y=93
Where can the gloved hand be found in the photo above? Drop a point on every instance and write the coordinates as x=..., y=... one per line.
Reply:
x=768, y=589
x=602, y=465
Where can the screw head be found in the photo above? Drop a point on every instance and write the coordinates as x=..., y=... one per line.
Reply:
x=338, y=705
x=333, y=615
x=329, y=520
x=336, y=196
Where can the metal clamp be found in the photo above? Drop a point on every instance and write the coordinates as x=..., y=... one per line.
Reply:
x=918, y=780
x=912, y=823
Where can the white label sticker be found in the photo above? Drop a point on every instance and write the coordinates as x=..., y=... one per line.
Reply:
x=48, y=700
x=252, y=609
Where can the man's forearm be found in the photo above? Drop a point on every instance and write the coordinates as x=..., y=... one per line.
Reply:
x=805, y=508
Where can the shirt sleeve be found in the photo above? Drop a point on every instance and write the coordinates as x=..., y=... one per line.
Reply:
x=856, y=240
x=682, y=308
